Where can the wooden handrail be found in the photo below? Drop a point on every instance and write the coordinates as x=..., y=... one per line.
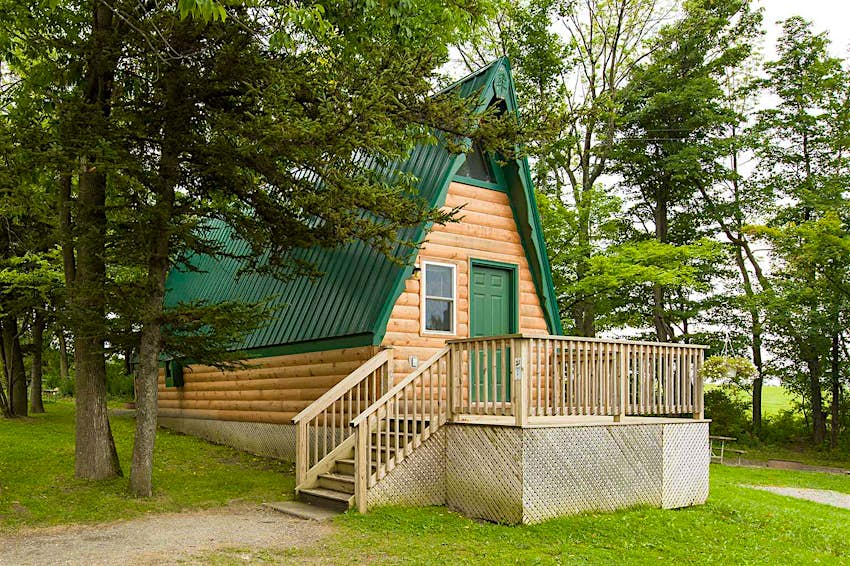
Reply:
x=398, y=387
x=333, y=394
x=325, y=425
x=390, y=429
x=575, y=339
x=554, y=376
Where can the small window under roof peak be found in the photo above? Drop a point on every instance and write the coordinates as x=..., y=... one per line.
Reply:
x=477, y=166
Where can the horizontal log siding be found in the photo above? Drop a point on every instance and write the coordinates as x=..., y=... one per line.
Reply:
x=269, y=390
x=487, y=230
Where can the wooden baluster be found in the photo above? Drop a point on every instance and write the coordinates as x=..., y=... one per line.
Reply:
x=421, y=381
x=370, y=424
x=407, y=438
x=550, y=375
x=670, y=394
x=388, y=433
x=431, y=400
x=569, y=376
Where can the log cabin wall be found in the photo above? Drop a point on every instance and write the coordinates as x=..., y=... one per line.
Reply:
x=270, y=390
x=487, y=231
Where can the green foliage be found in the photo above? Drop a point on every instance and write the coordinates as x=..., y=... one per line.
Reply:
x=733, y=370
x=784, y=428
x=119, y=385
x=728, y=414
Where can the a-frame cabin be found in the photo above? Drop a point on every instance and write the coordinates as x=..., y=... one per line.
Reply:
x=363, y=374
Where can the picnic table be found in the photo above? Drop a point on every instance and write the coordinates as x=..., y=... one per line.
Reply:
x=718, y=448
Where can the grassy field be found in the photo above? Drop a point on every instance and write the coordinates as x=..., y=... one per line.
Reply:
x=737, y=526
x=37, y=485
x=775, y=399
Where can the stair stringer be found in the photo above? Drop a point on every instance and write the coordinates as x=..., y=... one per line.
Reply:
x=419, y=480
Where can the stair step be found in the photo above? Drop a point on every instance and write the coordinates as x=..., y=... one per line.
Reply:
x=327, y=498
x=338, y=482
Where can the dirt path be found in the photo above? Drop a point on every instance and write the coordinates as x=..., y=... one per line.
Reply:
x=825, y=496
x=161, y=539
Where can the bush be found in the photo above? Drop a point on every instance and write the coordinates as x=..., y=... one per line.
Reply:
x=119, y=385
x=728, y=415
x=784, y=428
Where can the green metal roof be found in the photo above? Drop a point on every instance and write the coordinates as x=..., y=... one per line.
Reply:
x=354, y=297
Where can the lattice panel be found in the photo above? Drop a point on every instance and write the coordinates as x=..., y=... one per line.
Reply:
x=484, y=472
x=264, y=439
x=686, y=460
x=419, y=480
x=597, y=468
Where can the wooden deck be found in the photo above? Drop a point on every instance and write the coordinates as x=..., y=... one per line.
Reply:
x=367, y=426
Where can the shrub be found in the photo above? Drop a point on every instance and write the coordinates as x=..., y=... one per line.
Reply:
x=728, y=415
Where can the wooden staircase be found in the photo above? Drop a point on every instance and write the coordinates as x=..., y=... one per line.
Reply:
x=335, y=488
x=357, y=432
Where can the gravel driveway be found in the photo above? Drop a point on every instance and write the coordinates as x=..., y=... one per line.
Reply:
x=825, y=496
x=158, y=539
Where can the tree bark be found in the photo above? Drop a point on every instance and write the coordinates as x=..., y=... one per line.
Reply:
x=818, y=417
x=147, y=377
x=95, y=454
x=96, y=457
x=36, y=403
x=663, y=330
x=13, y=362
x=835, y=379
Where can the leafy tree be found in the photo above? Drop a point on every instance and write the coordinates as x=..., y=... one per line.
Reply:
x=672, y=138
x=804, y=170
x=572, y=61
x=275, y=120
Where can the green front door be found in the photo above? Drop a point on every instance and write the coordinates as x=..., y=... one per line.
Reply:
x=493, y=313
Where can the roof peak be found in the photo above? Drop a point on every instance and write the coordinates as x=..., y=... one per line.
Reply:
x=501, y=61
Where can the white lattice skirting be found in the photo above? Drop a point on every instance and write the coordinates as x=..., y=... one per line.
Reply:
x=516, y=475
x=264, y=439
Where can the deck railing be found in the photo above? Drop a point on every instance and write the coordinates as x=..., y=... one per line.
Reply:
x=397, y=423
x=325, y=426
x=530, y=377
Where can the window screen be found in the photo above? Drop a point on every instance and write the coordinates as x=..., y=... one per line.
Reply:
x=439, y=298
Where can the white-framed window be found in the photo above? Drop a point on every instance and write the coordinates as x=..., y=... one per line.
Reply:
x=439, y=291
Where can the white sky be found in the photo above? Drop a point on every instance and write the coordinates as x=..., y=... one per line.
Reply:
x=826, y=15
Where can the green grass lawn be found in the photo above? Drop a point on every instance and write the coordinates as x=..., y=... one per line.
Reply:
x=37, y=485
x=736, y=526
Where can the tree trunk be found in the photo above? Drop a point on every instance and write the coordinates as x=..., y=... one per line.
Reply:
x=147, y=377
x=96, y=457
x=36, y=404
x=835, y=378
x=818, y=416
x=663, y=330
x=13, y=362
x=584, y=309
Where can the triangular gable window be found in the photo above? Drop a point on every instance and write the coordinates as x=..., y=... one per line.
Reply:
x=477, y=166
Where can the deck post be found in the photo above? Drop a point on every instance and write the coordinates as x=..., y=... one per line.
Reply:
x=623, y=382
x=520, y=378
x=450, y=382
x=301, y=452
x=361, y=466
x=699, y=412
x=388, y=381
